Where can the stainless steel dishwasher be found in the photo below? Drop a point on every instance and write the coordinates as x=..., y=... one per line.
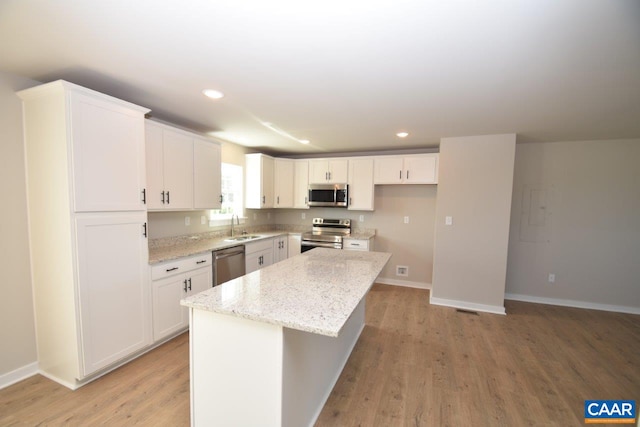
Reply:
x=228, y=264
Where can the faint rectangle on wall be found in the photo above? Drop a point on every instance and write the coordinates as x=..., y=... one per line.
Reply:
x=536, y=213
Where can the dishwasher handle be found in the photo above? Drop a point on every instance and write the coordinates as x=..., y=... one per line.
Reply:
x=228, y=254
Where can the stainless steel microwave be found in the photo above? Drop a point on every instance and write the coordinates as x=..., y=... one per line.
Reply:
x=331, y=195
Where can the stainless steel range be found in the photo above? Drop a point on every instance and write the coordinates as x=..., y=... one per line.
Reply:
x=326, y=233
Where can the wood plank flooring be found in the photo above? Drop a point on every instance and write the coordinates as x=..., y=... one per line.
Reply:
x=414, y=365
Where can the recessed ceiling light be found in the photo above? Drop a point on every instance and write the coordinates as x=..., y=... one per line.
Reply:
x=402, y=134
x=213, y=94
x=304, y=141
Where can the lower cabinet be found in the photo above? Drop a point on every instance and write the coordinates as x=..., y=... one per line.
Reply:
x=264, y=252
x=258, y=255
x=295, y=244
x=280, y=248
x=113, y=299
x=182, y=278
x=350, y=244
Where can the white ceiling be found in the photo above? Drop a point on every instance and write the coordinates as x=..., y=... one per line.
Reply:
x=346, y=74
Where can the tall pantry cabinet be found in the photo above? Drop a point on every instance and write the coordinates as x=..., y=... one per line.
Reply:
x=87, y=225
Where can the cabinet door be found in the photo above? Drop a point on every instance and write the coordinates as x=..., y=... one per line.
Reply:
x=112, y=261
x=201, y=280
x=283, y=183
x=108, y=156
x=280, y=252
x=267, y=181
x=301, y=184
x=338, y=171
x=421, y=169
x=168, y=315
x=388, y=170
x=318, y=171
x=207, y=188
x=258, y=260
x=155, y=166
x=258, y=181
x=178, y=170
x=361, y=184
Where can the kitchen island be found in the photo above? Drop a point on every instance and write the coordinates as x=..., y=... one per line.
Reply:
x=267, y=348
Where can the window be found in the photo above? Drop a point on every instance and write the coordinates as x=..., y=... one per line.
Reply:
x=232, y=197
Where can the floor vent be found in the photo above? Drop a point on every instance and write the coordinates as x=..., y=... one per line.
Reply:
x=459, y=310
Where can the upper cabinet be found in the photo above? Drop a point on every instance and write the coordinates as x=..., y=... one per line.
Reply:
x=183, y=169
x=361, y=188
x=283, y=183
x=259, y=170
x=207, y=184
x=409, y=169
x=301, y=184
x=106, y=142
x=328, y=171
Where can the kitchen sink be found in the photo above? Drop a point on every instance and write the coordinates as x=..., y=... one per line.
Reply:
x=242, y=238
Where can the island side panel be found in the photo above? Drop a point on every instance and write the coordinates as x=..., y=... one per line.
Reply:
x=236, y=371
x=312, y=366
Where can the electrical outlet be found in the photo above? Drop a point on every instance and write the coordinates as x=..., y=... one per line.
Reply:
x=448, y=220
x=268, y=215
x=255, y=216
x=552, y=278
x=303, y=215
x=402, y=270
x=361, y=218
x=187, y=220
x=203, y=220
x=406, y=220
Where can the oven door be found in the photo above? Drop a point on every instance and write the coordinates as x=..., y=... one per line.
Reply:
x=308, y=245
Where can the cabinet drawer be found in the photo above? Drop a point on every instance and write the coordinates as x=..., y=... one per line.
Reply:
x=260, y=245
x=171, y=268
x=356, y=245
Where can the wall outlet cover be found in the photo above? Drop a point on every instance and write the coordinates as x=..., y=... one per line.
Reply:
x=187, y=220
x=402, y=270
x=406, y=220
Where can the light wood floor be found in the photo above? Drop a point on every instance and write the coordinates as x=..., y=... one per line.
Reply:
x=414, y=365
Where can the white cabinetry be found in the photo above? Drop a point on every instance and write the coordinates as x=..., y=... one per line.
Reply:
x=173, y=281
x=170, y=164
x=300, y=184
x=258, y=181
x=410, y=169
x=361, y=189
x=207, y=180
x=351, y=244
x=89, y=270
x=104, y=134
x=258, y=255
x=294, y=245
x=183, y=169
x=283, y=183
x=114, y=310
x=280, y=248
x=328, y=171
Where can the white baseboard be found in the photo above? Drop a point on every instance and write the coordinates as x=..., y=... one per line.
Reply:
x=405, y=283
x=494, y=309
x=18, y=375
x=573, y=303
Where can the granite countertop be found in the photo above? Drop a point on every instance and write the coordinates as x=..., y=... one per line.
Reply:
x=315, y=291
x=363, y=234
x=173, y=248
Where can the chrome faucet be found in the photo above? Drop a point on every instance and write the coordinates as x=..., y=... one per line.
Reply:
x=237, y=222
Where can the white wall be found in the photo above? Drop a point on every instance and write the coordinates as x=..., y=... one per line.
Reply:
x=17, y=331
x=474, y=188
x=576, y=214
